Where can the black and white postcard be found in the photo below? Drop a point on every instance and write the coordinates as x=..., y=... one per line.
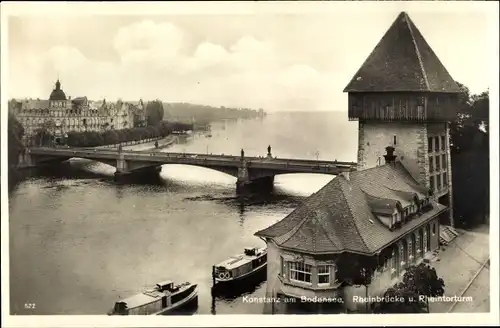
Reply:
x=290, y=163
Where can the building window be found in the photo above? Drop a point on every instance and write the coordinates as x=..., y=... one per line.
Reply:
x=438, y=180
x=411, y=257
x=402, y=256
x=429, y=145
x=443, y=161
x=300, y=271
x=436, y=143
x=394, y=264
x=431, y=164
x=395, y=141
x=438, y=166
x=323, y=274
x=417, y=245
x=433, y=228
x=431, y=182
x=425, y=241
x=445, y=179
x=443, y=143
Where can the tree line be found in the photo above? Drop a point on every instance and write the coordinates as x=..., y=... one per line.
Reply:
x=111, y=137
x=206, y=114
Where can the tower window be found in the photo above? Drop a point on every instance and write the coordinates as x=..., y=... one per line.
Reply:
x=438, y=180
x=431, y=164
x=443, y=143
x=431, y=182
x=395, y=140
x=436, y=144
x=445, y=179
x=438, y=166
x=429, y=145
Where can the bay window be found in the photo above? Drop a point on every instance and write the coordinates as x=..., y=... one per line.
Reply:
x=301, y=272
x=323, y=274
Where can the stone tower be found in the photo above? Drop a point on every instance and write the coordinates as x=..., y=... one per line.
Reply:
x=403, y=97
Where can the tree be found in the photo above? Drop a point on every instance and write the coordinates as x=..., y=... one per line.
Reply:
x=14, y=139
x=423, y=280
x=154, y=112
x=399, y=299
x=469, y=139
x=15, y=133
x=355, y=269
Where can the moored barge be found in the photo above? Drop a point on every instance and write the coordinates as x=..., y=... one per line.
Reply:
x=241, y=266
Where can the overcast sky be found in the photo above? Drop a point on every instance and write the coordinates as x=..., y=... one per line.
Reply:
x=289, y=61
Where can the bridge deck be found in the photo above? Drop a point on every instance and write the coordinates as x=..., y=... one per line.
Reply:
x=282, y=164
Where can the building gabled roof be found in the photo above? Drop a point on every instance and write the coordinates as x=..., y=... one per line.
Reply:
x=402, y=61
x=382, y=206
x=339, y=217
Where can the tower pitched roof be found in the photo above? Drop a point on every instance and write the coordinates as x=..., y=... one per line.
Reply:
x=402, y=61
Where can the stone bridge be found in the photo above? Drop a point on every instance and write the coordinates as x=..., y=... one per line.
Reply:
x=247, y=170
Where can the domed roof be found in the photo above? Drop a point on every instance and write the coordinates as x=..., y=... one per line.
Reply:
x=57, y=93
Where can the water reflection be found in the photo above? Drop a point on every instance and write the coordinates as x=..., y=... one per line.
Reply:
x=189, y=308
x=227, y=293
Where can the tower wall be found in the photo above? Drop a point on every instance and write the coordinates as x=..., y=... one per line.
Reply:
x=410, y=146
x=419, y=147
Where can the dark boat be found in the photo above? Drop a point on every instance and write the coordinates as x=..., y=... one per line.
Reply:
x=241, y=266
x=163, y=298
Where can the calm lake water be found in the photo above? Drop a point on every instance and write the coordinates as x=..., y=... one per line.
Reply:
x=79, y=241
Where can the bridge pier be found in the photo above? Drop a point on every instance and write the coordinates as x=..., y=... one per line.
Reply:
x=264, y=184
x=25, y=159
x=243, y=181
x=147, y=173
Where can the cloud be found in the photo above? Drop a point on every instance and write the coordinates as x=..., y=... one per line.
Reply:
x=156, y=60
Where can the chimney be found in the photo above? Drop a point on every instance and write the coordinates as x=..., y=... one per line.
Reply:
x=345, y=175
x=390, y=157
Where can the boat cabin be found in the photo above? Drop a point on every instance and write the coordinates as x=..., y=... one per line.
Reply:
x=121, y=308
x=167, y=285
x=252, y=251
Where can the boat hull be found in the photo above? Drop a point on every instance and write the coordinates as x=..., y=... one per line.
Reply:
x=242, y=277
x=176, y=306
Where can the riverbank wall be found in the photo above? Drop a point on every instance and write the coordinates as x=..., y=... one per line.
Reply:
x=145, y=144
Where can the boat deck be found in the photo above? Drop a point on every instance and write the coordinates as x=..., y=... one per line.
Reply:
x=139, y=300
x=240, y=259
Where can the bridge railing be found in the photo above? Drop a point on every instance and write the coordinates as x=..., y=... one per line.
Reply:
x=150, y=154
